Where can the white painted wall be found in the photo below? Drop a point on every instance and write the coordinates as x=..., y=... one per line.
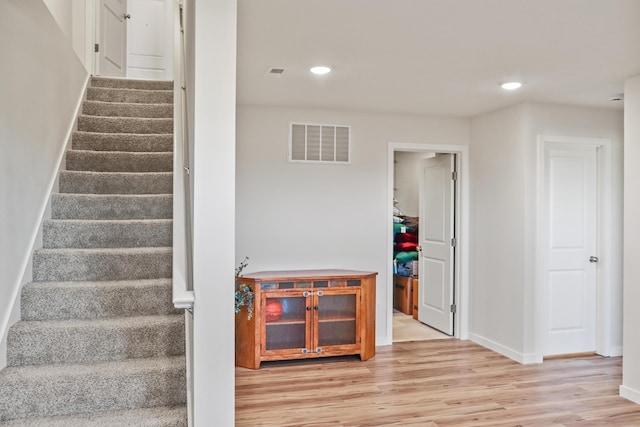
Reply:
x=37, y=113
x=299, y=216
x=76, y=21
x=214, y=211
x=498, y=158
x=631, y=358
x=61, y=10
x=407, y=179
x=504, y=162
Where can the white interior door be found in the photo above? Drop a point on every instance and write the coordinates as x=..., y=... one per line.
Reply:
x=149, y=46
x=436, y=233
x=571, y=227
x=112, y=30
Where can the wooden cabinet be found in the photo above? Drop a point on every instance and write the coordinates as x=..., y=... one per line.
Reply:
x=305, y=314
x=403, y=290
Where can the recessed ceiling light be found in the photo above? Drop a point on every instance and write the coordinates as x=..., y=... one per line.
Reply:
x=510, y=85
x=320, y=69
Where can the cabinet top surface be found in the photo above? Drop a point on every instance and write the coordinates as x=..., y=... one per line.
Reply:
x=312, y=274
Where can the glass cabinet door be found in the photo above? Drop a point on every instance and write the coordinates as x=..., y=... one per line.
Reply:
x=286, y=320
x=336, y=317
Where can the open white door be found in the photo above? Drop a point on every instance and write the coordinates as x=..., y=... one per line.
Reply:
x=436, y=234
x=112, y=31
x=570, y=226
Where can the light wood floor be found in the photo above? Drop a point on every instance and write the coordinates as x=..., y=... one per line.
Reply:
x=434, y=383
x=406, y=328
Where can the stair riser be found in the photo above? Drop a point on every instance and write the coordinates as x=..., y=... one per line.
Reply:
x=100, y=265
x=61, y=301
x=121, y=142
x=115, y=183
x=129, y=95
x=159, y=385
x=67, y=206
x=86, y=344
x=124, y=125
x=115, y=109
x=119, y=234
x=131, y=84
x=101, y=161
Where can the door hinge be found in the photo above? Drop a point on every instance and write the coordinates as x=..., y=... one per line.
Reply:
x=96, y=47
x=453, y=308
x=454, y=175
x=454, y=242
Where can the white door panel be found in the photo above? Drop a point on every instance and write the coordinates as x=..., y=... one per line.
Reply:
x=113, y=36
x=435, y=295
x=435, y=298
x=149, y=39
x=571, y=218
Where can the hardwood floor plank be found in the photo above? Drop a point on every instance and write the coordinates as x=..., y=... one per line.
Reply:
x=434, y=384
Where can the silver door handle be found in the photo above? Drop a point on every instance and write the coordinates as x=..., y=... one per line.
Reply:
x=593, y=259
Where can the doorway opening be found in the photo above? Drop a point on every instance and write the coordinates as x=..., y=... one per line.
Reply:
x=575, y=290
x=132, y=38
x=427, y=287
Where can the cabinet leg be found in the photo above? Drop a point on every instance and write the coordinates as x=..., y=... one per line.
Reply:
x=366, y=355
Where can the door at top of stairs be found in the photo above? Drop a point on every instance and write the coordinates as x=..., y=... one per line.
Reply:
x=134, y=39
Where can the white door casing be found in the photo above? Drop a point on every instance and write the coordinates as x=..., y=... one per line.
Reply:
x=436, y=234
x=462, y=227
x=570, y=207
x=149, y=42
x=112, y=38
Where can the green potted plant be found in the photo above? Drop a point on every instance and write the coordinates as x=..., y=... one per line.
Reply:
x=244, y=292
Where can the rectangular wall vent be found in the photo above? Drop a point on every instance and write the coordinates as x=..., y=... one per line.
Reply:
x=319, y=143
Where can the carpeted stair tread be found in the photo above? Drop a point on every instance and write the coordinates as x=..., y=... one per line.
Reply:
x=94, y=340
x=107, y=233
x=138, y=125
x=111, y=82
x=64, y=389
x=125, y=109
x=120, y=161
x=95, y=299
x=89, y=182
x=134, y=96
x=111, y=206
x=59, y=265
x=160, y=416
x=99, y=141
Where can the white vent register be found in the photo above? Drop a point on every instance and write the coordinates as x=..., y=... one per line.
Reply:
x=319, y=143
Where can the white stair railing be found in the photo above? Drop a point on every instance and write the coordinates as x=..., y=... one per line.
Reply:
x=183, y=294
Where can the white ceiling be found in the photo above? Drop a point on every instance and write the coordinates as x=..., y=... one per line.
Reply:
x=436, y=57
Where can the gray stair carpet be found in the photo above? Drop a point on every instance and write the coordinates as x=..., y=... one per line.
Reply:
x=99, y=342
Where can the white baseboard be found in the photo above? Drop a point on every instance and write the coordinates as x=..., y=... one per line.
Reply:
x=380, y=341
x=524, y=358
x=13, y=317
x=630, y=394
x=614, y=352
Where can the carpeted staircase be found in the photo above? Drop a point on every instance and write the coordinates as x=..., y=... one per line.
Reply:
x=99, y=343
